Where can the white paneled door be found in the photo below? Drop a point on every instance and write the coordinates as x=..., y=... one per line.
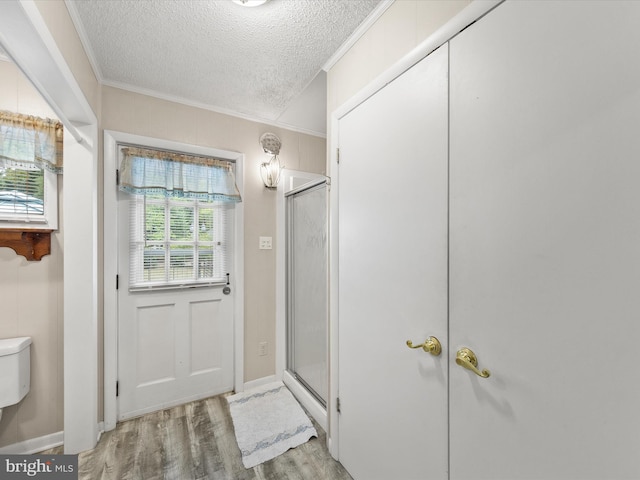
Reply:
x=174, y=345
x=545, y=242
x=393, y=278
x=519, y=238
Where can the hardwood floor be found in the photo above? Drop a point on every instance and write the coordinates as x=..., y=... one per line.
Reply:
x=196, y=441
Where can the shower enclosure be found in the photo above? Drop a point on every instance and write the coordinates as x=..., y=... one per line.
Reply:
x=306, y=274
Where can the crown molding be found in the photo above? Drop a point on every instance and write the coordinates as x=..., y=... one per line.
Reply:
x=84, y=39
x=375, y=14
x=212, y=108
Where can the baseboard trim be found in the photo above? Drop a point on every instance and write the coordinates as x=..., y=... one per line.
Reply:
x=308, y=401
x=260, y=381
x=34, y=445
x=100, y=431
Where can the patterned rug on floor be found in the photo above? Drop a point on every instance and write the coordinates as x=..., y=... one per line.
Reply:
x=268, y=421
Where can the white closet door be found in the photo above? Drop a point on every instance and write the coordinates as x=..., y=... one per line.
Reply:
x=393, y=278
x=545, y=242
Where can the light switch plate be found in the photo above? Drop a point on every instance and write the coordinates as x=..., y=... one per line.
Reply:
x=265, y=243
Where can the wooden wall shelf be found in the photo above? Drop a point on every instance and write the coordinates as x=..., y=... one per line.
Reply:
x=31, y=244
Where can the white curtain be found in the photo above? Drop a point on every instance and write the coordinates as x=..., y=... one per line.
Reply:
x=30, y=143
x=155, y=172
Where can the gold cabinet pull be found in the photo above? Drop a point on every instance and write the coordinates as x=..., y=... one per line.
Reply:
x=430, y=345
x=467, y=359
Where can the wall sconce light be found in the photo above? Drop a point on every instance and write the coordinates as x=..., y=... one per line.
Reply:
x=270, y=170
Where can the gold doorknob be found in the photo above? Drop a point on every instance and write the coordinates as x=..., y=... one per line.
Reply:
x=467, y=359
x=430, y=345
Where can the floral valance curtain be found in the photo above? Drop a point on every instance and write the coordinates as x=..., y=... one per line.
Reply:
x=154, y=172
x=28, y=142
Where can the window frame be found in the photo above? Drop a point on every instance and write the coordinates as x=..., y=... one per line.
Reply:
x=48, y=220
x=167, y=283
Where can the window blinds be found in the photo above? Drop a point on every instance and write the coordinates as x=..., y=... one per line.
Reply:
x=176, y=242
x=22, y=192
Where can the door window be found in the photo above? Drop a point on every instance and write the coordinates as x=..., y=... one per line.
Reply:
x=177, y=242
x=180, y=217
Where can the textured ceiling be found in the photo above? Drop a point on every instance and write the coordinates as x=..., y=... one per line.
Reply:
x=254, y=62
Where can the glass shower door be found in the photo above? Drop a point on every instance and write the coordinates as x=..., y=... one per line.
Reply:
x=307, y=287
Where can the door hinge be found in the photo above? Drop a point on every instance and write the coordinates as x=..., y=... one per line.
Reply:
x=337, y=155
x=338, y=404
x=117, y=177
x=117, y=389
x=117, y=282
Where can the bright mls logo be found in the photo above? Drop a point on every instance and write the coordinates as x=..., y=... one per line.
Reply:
x=52, y=467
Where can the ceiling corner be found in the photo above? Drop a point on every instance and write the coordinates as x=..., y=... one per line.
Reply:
x=84, y=39
x=375, y=14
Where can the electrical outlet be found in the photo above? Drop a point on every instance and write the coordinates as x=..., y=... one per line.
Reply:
x=262, y=349
x=265, y=243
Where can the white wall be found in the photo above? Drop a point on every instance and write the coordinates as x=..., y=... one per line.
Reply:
x=31, y=296
x=138, y=114
x=403, y=26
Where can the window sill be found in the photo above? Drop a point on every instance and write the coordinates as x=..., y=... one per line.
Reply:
x=31, y=244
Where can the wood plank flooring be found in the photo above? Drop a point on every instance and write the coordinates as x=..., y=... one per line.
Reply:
x=196, y=441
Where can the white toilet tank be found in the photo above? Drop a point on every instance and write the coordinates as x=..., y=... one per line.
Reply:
x=15, y=369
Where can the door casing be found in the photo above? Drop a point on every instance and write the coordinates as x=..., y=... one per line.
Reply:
x=111, y=139
x=290, y=180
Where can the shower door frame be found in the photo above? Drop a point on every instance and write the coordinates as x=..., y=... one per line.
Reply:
x=289, y=373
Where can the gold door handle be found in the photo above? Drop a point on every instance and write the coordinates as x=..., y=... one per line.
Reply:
x=430, y=345
x=467, y=359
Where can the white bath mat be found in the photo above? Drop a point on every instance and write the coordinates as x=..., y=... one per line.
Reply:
x=268, y=421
